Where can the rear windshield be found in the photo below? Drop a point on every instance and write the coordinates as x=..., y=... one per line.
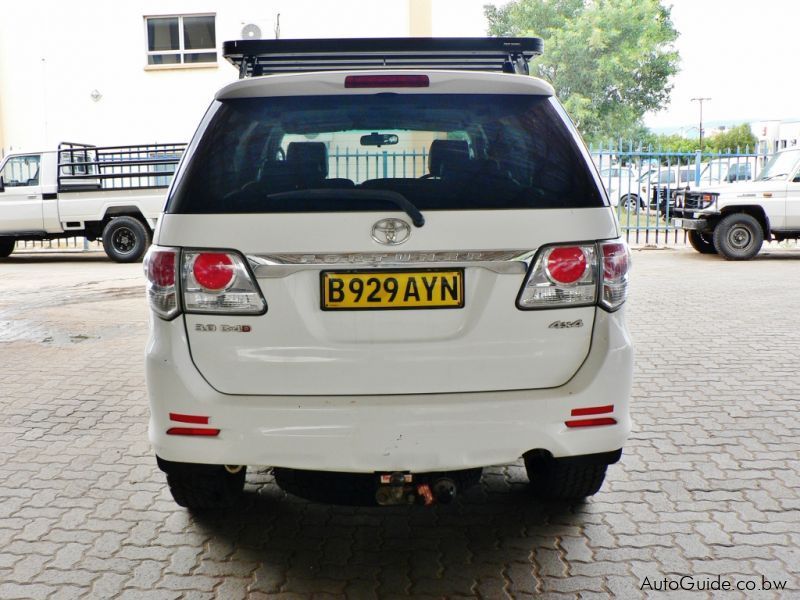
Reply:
x=332, y=153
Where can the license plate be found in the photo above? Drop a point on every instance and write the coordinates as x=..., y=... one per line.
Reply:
x=392, y=290
x=677, y=223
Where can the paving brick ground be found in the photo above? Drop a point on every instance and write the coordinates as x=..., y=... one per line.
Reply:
x=708, y=484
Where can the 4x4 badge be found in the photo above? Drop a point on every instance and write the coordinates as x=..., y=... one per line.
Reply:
x=565, y=324
x=391, y=232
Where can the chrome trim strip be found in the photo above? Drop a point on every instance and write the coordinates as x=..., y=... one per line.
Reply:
x=498, y=261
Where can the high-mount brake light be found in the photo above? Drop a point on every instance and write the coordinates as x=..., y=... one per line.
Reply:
x=219, y=282
x=213, y=270
x=160, y=269
x=386, y=81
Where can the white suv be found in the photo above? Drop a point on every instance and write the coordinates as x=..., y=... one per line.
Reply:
x=411, y=273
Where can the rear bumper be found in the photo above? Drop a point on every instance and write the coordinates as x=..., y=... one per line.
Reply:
x=420, y=432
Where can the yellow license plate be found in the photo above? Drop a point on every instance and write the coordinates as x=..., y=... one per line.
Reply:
x=387, y=290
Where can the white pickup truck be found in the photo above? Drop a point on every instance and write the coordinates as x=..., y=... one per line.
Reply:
x=111, y=193
x=734, y=219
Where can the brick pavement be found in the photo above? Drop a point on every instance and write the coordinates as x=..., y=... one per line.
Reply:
x=708, y=483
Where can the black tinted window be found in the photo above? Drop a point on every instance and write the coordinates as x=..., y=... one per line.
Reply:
x=438, y=151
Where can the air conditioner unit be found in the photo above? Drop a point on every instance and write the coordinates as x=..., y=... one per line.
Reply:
x=252, y=31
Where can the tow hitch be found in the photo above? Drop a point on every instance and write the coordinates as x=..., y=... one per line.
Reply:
x=402, y=488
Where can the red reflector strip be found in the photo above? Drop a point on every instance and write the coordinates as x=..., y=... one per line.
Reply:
x=192, y=431
x=386, y=81
x=591, y=422
x=592, y=410
x=196, y=419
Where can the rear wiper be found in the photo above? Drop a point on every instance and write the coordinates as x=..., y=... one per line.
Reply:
x=350, y=194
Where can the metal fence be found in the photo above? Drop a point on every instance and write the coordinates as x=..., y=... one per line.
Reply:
x=641, y=183
x=360, y=166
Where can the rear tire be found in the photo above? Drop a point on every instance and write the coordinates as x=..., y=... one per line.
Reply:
x=6, y=246
x=125, y=239
x=702, y=242
x=203, y=487
x=552, y=479
x=738, y=237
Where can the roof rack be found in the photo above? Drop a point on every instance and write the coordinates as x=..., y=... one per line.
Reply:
x=268, y=57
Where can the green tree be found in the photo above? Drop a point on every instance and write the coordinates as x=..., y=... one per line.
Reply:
x=609, y=60
x=736, y=137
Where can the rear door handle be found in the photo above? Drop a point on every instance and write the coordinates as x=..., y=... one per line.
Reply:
x=32, y=197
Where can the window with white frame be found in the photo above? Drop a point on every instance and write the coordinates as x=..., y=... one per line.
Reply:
x=181, y=39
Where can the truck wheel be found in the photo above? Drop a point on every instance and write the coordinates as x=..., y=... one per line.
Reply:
x=632, y=203
x=6, y=246
x=125, y=239
x=203, y=487
x=556, y=480
x=702, y=242
x=738, y=237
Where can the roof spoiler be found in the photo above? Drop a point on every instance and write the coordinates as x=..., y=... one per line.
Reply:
x=268, y=57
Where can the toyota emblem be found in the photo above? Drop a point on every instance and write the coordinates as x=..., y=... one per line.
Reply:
x=391, y=232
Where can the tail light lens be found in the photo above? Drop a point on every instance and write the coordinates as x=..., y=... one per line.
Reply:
x=578, y=275
x=213, y=271
x=219, y=283
x=616, y=264
x=561, y=276
x=160, y=268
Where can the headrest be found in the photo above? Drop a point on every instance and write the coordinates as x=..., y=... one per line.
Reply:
x=315, y=153
x=446, y=154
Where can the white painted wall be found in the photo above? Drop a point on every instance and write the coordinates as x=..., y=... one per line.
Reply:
x=53, y=54
x=776, y=135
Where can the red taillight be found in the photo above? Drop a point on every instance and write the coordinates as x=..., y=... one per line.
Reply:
x=591, y=422
x=386, y=81
x=566, y=264
x=161, y=268
x=192, y=431
x=616, y=264
x=196, y=419
x=213, y=270
x=615, y=261
x=592, y=410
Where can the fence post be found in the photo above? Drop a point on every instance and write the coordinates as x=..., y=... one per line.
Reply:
x=697, y=160
x=385, y=164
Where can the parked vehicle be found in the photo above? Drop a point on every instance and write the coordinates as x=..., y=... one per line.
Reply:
x=662, y=184
x=728, y=170
x=622, y=186
x=415, y=329
x=112, y=193
x=734, y=219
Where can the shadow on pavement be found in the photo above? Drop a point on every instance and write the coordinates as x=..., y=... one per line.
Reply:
x=444, y=550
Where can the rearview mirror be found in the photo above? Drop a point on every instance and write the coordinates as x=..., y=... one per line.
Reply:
x=379, y=139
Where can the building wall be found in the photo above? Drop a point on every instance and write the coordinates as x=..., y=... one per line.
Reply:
x=776, y=135
x=54, y=54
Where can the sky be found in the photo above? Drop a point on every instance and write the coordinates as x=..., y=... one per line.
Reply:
x=736, y=52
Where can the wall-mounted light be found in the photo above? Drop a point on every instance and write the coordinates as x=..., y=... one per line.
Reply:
x=95, y=95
